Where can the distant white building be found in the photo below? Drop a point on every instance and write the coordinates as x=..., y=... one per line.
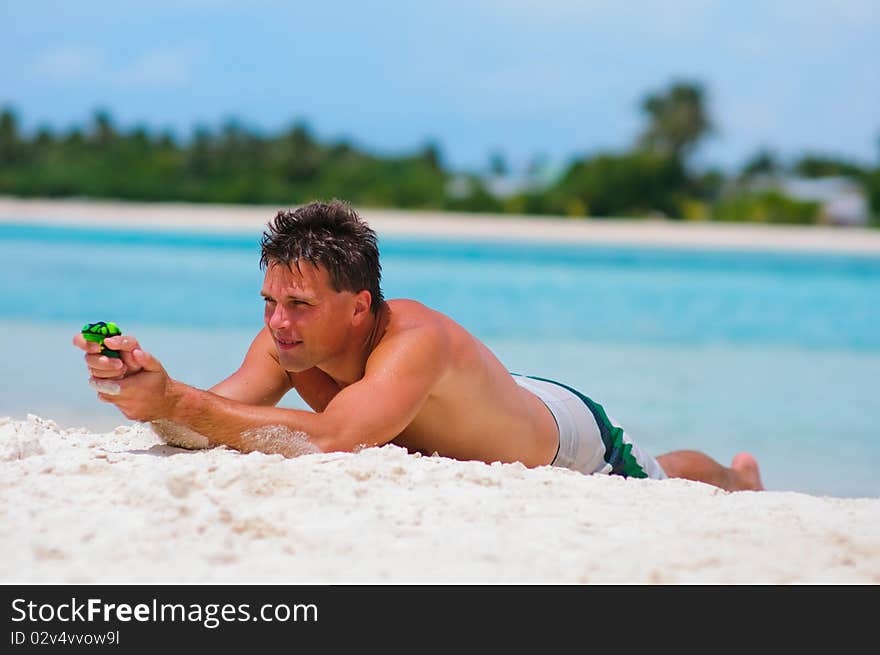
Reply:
x=843, y=200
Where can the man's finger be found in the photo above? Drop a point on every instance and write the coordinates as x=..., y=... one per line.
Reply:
x=125, y=344
x=97, y=360
x=105, y=386
x=106, y=375
x=131, y=366
x=146, y=360
x=104, y=367
x=89, y=346
x=122, y=342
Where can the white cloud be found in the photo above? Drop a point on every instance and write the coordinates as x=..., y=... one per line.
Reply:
x=161, y=67
x=70, y=63
x=167, y=67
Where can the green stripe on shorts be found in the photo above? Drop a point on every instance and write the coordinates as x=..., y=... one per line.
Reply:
x=618, y=453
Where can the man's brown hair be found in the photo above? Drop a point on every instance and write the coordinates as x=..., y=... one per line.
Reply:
x=330, y=234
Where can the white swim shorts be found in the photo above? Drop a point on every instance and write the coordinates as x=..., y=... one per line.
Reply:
x=589, y=441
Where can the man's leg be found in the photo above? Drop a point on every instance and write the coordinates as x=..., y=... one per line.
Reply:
x=742, y=475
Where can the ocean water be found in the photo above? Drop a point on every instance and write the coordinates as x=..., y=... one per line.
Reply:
x=720, y=351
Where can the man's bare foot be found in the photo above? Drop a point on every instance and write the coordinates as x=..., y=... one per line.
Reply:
x=746, y=468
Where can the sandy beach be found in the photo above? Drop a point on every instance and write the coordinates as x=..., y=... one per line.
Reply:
x=664, y=233
x=123, y=507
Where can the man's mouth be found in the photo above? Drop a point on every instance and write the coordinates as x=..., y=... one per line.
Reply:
x=286, y=345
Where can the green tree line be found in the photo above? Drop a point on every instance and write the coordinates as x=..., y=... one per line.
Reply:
x=232, y=164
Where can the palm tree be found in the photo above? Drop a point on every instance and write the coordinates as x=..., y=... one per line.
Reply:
x=10, y=143
x=678, y=120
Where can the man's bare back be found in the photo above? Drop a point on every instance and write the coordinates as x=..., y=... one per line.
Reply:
x=474, y=411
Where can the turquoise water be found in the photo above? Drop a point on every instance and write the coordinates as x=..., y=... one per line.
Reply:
x=778, y=354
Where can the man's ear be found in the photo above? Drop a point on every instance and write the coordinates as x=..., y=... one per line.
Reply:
x=362, y=302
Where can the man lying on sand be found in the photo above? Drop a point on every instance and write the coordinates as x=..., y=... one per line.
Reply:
x=375, y=372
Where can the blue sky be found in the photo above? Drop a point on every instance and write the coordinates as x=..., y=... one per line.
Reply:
x=551, y=78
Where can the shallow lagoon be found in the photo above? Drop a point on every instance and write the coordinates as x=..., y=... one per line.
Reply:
x=720, y=351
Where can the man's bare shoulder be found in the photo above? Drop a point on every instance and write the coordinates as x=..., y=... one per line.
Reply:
x=406, y=313
x=414, y=330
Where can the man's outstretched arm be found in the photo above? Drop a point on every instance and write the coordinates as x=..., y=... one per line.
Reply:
x=260, y=380
x=398, y=379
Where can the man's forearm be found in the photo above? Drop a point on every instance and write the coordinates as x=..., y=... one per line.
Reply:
x=175, y=434
x=289, y=432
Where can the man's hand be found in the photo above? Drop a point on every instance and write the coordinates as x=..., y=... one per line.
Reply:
x=104, y=367
x=146, y=395
x=136, y=382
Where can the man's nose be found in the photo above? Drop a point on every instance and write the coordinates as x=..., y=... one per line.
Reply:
x=278, y=319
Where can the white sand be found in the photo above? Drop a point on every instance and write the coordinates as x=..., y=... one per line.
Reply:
x=121, y=507
x=663, y=233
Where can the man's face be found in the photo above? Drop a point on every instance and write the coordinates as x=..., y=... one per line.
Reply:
x=309, y=320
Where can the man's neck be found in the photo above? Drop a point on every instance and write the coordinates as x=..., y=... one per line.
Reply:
x=350, y=367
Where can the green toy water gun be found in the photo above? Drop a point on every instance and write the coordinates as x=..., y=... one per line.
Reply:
x=99, y=331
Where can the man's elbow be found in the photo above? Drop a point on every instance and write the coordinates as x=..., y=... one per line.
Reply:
x=350, y=438
x=341, y=443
